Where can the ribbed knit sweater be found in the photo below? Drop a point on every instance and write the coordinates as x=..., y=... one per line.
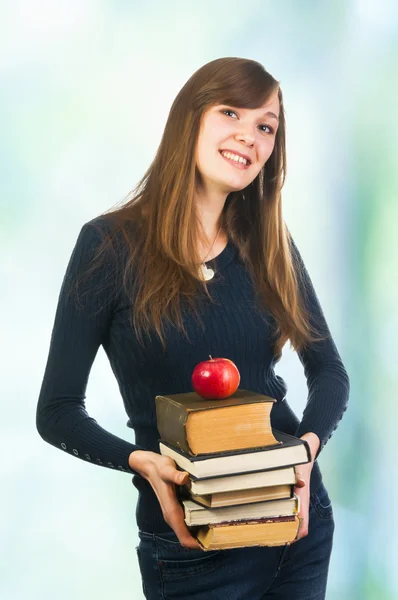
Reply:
x=234, y=327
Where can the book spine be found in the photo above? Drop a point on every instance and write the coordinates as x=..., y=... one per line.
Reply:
x=171, y=423
x=307, y=447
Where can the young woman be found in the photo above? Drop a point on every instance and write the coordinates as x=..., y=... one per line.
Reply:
x=199, y=261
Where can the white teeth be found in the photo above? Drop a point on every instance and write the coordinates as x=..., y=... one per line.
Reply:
x=235, y=157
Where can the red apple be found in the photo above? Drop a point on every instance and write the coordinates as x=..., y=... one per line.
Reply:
x=216, y=378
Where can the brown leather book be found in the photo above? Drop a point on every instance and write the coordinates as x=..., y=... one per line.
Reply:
x=194, y=425
x=264, y=532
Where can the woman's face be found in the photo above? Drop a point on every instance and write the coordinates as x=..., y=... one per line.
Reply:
x=228, y=134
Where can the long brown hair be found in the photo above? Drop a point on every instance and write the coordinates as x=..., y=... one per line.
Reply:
x=158, y=220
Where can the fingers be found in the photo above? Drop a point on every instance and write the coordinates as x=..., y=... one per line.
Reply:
x=303, y=528
x=181, y=530
x=182, y=478
x=300, y=482
x=173, y=514
x=299, y=531
x=303, y=514
x=168, y=472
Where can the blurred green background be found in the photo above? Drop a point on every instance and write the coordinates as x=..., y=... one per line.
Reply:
x=86, y=87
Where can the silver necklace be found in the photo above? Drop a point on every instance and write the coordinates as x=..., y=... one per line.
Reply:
x=207, y=272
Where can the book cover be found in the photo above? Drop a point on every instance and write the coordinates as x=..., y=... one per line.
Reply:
x=289, y=451
x=195, y=514
x=266, y=532
x=241, y=481
x=245, y=496
x=198, y=426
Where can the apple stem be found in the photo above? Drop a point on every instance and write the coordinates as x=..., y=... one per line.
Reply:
x=211, y=358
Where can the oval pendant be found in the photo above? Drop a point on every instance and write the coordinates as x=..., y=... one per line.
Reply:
x=207, y=272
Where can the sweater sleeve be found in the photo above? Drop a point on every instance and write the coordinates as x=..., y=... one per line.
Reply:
x=327, y=379
x=79, y=329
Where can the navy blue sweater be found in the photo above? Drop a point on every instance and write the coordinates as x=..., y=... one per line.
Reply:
x=233, y=329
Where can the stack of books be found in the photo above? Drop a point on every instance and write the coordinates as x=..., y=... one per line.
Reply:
x=241, y=471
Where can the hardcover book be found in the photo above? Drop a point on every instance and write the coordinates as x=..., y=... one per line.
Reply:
x=195, y=514
x=265, y=532
x=241, y=481
x=276, y=492
x=289, y=451
x=198, y=426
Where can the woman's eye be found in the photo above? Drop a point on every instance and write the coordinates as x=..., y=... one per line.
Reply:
x=228, y=111
x=270, y=128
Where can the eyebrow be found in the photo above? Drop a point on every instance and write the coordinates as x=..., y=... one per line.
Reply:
x=271, y=114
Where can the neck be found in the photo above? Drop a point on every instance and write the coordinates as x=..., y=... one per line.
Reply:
x=209, y=209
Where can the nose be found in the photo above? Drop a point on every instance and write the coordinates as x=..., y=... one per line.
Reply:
x=245, y=136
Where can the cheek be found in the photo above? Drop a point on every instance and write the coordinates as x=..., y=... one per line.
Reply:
x=205, y=161
x=258, y=169
x=266, y=152
x=207, y=149
x=200, y=151
x=268, y=148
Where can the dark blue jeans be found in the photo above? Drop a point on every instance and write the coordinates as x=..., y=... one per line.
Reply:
x=295, y=572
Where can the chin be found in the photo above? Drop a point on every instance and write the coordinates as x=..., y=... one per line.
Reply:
x=236, y=188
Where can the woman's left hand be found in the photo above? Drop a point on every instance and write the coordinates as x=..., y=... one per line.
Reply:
x=302, y=487
x=302, y=490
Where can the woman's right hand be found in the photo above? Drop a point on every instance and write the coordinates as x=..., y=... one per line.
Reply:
x=163, y=476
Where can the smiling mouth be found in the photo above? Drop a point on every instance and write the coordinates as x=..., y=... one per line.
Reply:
x=238, y=163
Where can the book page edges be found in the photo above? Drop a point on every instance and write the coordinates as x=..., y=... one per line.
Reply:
x=212, y=538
